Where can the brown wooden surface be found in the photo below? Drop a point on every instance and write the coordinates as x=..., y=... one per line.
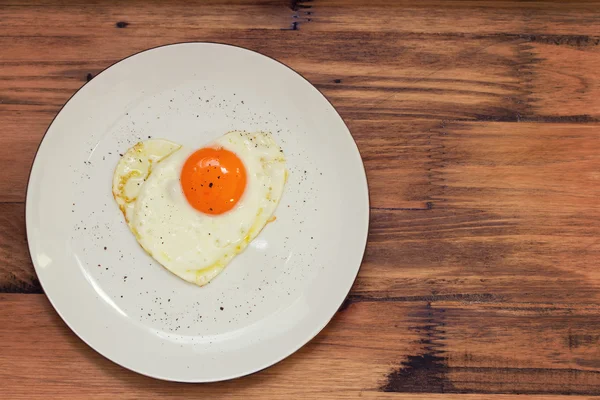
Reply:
x=479, y=126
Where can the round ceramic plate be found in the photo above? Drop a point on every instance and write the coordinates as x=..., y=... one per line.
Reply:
x=271, y=299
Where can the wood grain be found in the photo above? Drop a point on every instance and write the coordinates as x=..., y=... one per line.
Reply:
x=479, y=126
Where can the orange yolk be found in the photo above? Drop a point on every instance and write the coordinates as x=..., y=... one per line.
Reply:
x=213, y=180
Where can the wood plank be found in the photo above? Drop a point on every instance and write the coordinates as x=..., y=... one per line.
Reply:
x=82, y=18
x=514, y=215
x=421, y=347
x=451, y=17
x=430, y=17
x=477, y=75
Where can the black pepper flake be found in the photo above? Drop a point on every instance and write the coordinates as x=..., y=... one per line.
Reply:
x=221, y=308
x=104, y=247
x=210, y=185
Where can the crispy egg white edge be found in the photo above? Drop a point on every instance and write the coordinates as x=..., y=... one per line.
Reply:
x=134, y=167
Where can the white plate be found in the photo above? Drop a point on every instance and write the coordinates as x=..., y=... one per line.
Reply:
x=275, y=296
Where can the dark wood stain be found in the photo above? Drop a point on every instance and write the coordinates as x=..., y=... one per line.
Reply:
x=293, y=27
x=426, y=372
x=296, y=5
x=575, y=341
x=16, y=270
x=568, y=40
x=345, y=304
x=460, y=297
x=300, y=14
x=548, y=119
x=14, y=284
x=428, y=206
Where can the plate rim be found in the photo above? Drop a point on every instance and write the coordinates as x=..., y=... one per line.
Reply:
x=277, y=359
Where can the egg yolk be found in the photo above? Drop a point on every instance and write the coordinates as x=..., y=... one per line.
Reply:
x=213, y=180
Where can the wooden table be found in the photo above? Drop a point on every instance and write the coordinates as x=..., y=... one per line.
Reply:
x=479, y=126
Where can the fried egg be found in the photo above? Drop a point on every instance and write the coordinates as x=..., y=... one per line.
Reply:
x=193, y=210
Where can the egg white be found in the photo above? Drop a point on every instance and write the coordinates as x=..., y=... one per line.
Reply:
x=197, y=246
